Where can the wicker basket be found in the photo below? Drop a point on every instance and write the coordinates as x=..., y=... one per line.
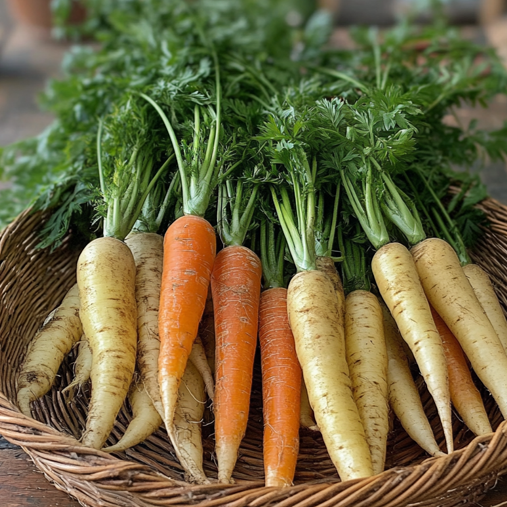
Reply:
x=32, y=282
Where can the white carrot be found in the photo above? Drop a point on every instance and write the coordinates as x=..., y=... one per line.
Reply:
x=147, y=249
x=316, y=322
x=187, y=424
x=199, y=360
x=106, y=278
x=82, y=367
x=367, y=360
x=398, y=282
x=452, y=296
x=403, y=394
x=145, y=421
x=47, y=351
x=485, y=293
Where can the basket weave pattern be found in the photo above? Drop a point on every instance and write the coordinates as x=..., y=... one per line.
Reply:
x=33, y=282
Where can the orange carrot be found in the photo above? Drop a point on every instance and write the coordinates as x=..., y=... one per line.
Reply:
x=236, y=285
x=189, y=253
x=464, y=395
x=281, y=389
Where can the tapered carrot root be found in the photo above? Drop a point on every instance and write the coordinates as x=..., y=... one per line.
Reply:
x=146, y=420
x=403, y=394
x=189, y=254
x=147, y=249
x=199, y=360
x=207, y=332
x=485, y=293
x=187, y=424
x=281, y=389
x=315, y=320
x=367, y=360
x=398, y=282
x=236, y=285
x=47, y=351
x=452, y=296
x=306, y=418
x=106, y=274
x=464, y=395
x=82, y=367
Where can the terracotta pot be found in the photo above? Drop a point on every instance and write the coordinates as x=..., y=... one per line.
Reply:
x=38, y=12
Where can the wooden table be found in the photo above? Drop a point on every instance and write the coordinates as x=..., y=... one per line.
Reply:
x=26, y=63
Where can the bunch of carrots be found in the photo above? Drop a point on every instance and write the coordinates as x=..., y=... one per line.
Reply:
x=298, y=173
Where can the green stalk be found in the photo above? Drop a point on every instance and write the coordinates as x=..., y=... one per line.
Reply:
x=272, y=256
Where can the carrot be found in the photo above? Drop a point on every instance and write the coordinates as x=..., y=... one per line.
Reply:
x=82, y=367
x=485, y=293
x=189, y=254
x=306, y=417
x=236, y=285
x=403, y=394
x=452, y=296
x=327, y=265
x=147, y=249
x=464, y=395
x=367, y=360
x=314, y=318
x=187, y=425
x=198, y=358
x=146, y=419
x=398, y=282
x=281, y=389
x=106, y=275
x=47, y=351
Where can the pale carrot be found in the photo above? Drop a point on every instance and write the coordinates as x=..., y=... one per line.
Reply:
x=403, y=394
x=485, y=293
x=464, y=395
x=281, y=389
x=145, y=421
x=198, y=358
x=106, y=274
x=82, y=367
x=47, y=351
x=367, y=360
x=398, y=282
x=452, y=296
x=147, y=249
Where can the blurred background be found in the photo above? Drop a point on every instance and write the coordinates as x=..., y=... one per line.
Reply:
x=29, y=55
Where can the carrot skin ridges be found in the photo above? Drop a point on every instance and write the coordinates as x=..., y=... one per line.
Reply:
x=48, y=349
x=281, y=389
x=315, y=320
x=367, y=360
x=106, y=274
x=464, y=395
x=452, y=296
x=403, y=394
x=236, y=285
x=398, y=282
x=485, y=293
x=189, y=254
x=148, y=250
